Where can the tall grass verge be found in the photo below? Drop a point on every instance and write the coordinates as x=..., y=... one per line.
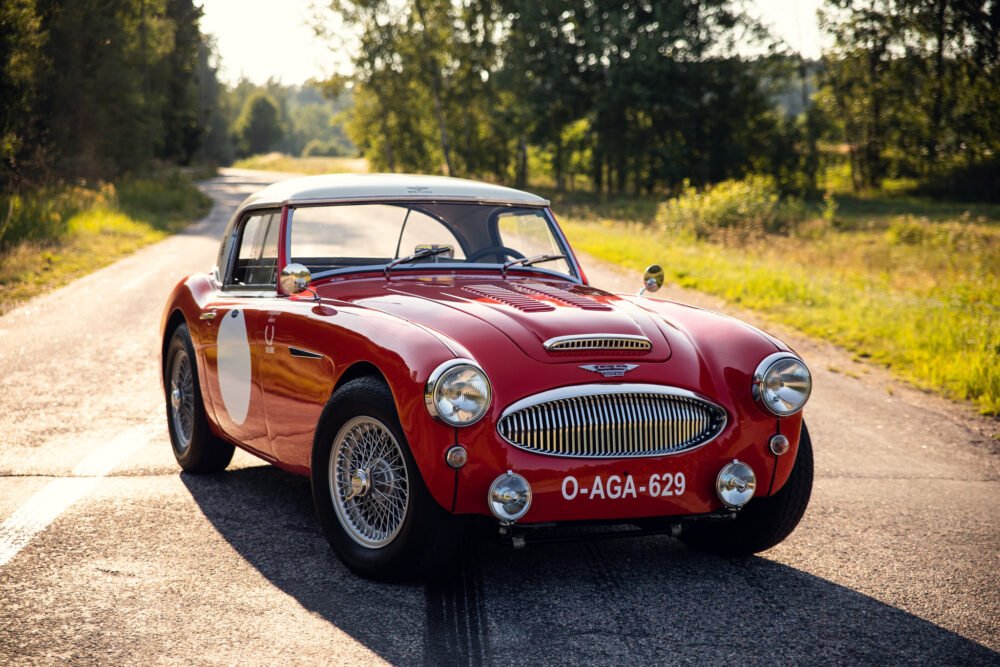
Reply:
x=304, y=165
x=916, y=294
x=52, y=235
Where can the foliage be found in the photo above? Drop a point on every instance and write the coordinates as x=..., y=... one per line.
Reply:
x=304, y=165
x=913, y=84
x=319, y=148
x=60, y=232
x=731, y=209
x=259, y=127
x=20, y=41
x=44, y=215
x=96, y=89
x=638, y=96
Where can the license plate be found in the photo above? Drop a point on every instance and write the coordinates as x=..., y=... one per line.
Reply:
x=615, y=487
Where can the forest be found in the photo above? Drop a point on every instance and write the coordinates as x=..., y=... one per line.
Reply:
x=636, y=97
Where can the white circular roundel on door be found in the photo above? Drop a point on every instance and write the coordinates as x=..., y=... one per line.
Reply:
x=234, y=365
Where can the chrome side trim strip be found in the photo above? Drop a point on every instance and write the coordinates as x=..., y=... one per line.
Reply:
x=305, y=354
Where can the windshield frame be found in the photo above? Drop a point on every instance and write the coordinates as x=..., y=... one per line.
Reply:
x=575, y=275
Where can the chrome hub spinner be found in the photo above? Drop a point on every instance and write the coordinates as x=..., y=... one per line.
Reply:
x=360, y=483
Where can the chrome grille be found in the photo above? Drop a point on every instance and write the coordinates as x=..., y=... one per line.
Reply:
x=597, y=342
x=612, y=421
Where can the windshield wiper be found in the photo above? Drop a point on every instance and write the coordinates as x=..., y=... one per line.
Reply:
x=528, y=261
x=420, y=254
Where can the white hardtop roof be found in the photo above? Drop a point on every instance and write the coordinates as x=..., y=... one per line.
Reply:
x=381, y=187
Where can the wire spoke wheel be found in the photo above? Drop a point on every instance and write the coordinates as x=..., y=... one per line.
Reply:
x=368, y=482
x=182, y=400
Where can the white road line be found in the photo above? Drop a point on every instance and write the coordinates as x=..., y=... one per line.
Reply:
x=57, y=496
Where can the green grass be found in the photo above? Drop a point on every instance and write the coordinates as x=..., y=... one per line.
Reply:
x=304, y=165
x=916, y=291
x=57, y=234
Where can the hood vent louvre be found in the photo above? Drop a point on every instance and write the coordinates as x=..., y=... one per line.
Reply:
x=510, y=298
x=588, y=342
x=565, y=296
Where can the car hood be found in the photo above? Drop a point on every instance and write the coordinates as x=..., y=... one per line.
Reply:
x=529, y=312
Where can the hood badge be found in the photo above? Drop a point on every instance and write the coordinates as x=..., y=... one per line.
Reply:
x=610, y=370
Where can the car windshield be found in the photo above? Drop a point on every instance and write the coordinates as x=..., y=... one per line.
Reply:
x=344, y=237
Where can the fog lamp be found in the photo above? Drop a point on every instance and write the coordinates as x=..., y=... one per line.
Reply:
x=735, y=484
x=509, y=497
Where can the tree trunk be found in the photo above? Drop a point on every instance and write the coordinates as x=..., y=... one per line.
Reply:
x=873, y=147
x=522, y=162
x=386, y=134
x=811, y=166
x=937, y=110
x=558, y=164
x=598, y=168
x=436, y=87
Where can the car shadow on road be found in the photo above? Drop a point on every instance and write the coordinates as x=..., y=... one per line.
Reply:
x=646, y=600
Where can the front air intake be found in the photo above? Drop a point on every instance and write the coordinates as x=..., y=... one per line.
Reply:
x=612, y=421
x=588, y=342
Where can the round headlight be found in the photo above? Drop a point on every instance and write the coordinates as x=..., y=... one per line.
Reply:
x=458, y=392
x=782, y=384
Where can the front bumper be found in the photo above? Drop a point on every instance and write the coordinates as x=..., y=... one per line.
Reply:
x=574, y=489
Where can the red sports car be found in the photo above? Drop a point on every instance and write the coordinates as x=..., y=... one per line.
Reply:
x=429, y=352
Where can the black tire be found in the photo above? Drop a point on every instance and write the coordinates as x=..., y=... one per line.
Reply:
x=764, y=522
x=196, y=449
x=415, y=547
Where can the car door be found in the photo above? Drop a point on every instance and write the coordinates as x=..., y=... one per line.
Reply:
x=297, y=375
x=238, y=315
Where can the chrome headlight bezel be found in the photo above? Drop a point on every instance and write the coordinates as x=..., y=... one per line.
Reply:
x=764, y=396
x=439, y=379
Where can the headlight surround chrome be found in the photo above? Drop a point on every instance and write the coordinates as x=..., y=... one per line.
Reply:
x=782, y=384
x=458, y=392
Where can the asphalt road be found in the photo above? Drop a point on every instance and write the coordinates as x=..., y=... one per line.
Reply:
x=114, y=557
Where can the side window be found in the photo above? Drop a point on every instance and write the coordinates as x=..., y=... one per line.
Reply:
x=257, y=261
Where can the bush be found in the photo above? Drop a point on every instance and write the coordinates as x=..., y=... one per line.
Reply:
x=740, y=209
x=162, y=200
x=320, y=148
x=961, y=237
x=44, y=214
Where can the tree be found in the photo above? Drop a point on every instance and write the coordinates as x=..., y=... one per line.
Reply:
x=259, y=125
x=20, y=59
x=913, y=84
x=214, y=114
x=183, y=126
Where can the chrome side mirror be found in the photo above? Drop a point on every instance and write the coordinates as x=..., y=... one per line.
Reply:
x=295, y=279
x=652, y=280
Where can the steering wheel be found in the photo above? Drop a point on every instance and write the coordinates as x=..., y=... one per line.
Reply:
x=494, y=250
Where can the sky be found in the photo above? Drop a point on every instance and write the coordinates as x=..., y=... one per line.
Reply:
x=261, y=39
